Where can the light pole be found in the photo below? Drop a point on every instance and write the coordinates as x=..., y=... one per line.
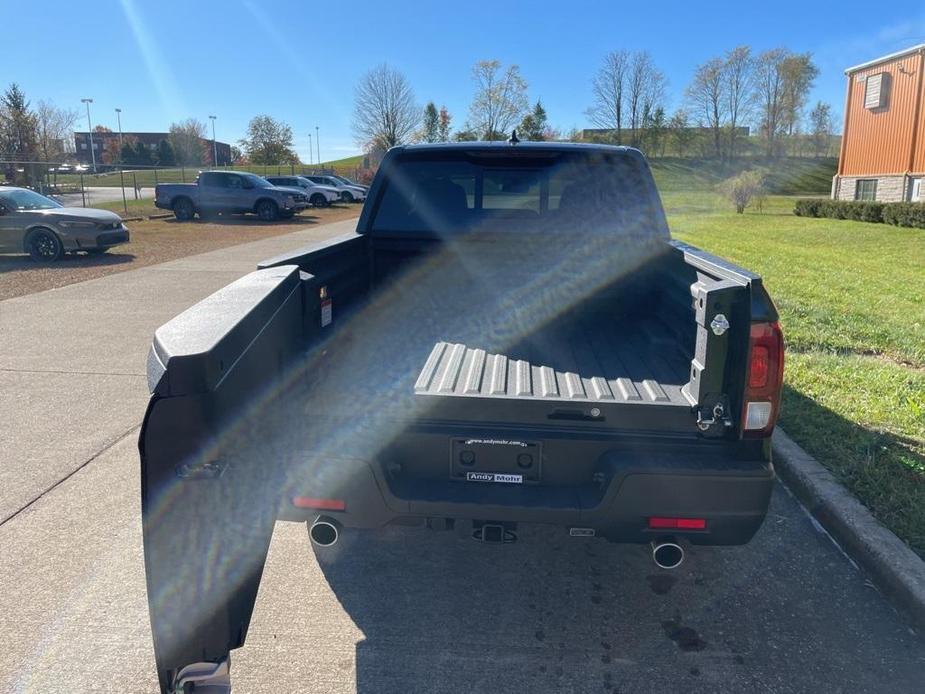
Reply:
x=214, y=147
x=318, y=145
x=90, y=132
x=311, y=154
x=119, y=120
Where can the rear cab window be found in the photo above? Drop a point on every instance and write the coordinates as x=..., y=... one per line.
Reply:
x=441, y=192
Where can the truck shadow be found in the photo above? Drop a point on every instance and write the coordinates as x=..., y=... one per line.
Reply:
x=250, y=220
x=863, y=458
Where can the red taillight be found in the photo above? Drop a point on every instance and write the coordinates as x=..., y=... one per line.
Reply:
x=319, y=504
x=758, y=367
x=765, y=376
x=663, y=523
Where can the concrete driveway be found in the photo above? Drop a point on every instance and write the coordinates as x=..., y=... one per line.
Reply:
x=390, y=611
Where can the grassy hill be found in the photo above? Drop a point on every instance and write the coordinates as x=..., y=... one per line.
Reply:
x=785, y=176
x=347, y=162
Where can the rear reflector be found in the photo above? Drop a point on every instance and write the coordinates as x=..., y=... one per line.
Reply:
x=662, y=523
x=319, y=504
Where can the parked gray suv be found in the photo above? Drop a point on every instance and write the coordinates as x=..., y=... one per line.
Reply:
x=229, y=192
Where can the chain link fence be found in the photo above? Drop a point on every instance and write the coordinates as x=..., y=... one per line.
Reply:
x=132, y=187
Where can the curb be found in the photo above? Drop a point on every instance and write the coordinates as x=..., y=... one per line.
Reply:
x=895, y=569
x=147, y=217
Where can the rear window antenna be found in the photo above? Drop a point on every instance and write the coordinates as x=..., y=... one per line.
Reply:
x=514, y=139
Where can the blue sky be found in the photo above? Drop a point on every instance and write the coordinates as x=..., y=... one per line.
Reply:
x=298, y=61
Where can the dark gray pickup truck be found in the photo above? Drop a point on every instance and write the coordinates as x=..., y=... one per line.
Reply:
x=229, y=192
x=509, y=337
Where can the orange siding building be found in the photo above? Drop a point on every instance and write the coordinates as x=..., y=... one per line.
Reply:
x=883, y=142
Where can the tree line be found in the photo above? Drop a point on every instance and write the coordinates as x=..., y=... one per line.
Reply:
x=32, y=137
x=765, y=92
x=386, y=112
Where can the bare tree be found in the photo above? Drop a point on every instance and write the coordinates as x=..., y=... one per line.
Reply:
x=706, y=95
x=500, y=99
x=609, y=87
x=54, y=130
x=739, y=88
x=770, y=85
x=645, y=92
x=799, y=74
x=186, y=139
x=443, y=127
x=385, y=112
x=820, y=119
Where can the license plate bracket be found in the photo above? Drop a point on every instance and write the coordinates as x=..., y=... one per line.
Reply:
x=496, y=460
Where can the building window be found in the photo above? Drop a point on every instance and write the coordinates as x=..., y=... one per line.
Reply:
x=876, y=90
x=915, y=190
x=83, y=145
x=866, y=189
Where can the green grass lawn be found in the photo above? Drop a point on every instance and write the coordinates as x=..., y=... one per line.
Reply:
x=136, y=208
x=852, y=301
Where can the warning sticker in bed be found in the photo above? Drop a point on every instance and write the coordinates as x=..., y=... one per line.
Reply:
x=326, y=312
x=494, y=477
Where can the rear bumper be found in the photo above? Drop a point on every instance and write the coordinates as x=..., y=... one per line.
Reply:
x=733, y=501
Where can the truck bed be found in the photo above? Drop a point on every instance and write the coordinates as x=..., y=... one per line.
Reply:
x=594, y=358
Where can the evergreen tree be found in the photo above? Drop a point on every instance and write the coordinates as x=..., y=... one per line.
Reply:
x=430, y=131
x=142, y=154
x=128, y=154
x=534, y=125
x=18, y=135
x=165, y=155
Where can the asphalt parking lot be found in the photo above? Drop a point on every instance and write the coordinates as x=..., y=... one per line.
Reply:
x=397, y=610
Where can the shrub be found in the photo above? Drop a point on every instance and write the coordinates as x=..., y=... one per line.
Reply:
x=808, y=207
x=871, y=212
x=858, y=210
x=740, y=190
x=905, y=214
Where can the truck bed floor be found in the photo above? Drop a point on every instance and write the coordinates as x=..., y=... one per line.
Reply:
x=591, y=358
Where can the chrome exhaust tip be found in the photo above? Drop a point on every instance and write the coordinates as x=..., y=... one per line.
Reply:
x=667, y=553
x=325, y=531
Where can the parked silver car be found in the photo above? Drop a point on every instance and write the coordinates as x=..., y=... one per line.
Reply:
x=34, y=224
x=348, y=193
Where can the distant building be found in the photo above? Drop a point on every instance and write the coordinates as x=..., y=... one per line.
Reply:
x=883, y=145
x=149, y=140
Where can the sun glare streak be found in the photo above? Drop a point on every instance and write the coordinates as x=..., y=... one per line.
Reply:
x=296, y=62
x=351, y=394
x=155, y=64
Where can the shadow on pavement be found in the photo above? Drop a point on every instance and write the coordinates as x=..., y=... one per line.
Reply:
x=553, y=614
x=249, y=220
x=67, y=262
